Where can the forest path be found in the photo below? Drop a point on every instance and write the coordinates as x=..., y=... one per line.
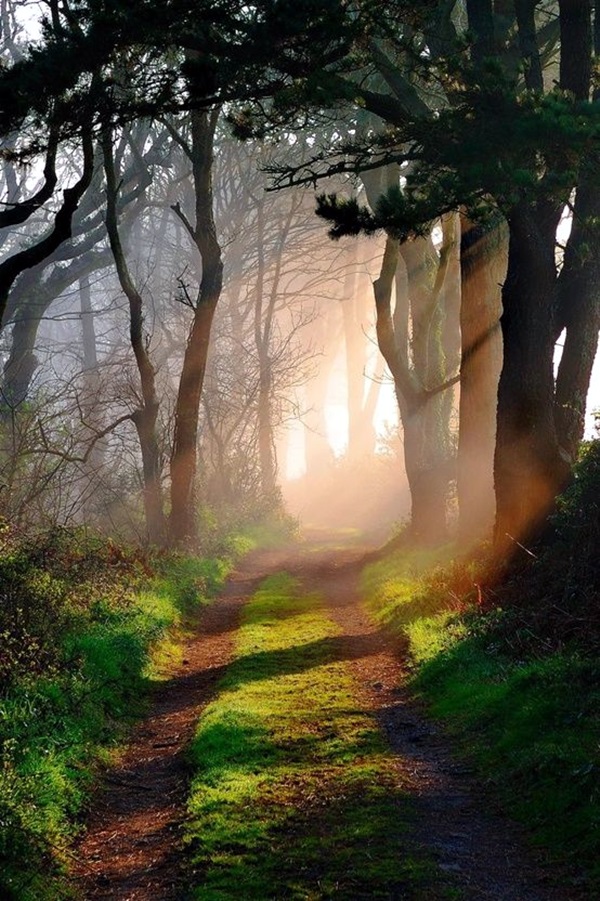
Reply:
x=483, y=853
x=132, y=849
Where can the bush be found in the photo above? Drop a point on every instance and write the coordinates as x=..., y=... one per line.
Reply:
x=80, y=623
x=511, y=667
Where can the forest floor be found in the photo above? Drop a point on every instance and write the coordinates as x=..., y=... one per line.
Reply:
x=133, y=848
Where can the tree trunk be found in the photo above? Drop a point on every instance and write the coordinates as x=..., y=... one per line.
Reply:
x=427, y=443
x=183, y=524
x=145, y=417
x=528, y=468
x=579, y=281
x=427, y=479
x=579, y=315
x=22, y=362
x=266, y=448
x=91, y=390
x=183, y=458
x=483, y=270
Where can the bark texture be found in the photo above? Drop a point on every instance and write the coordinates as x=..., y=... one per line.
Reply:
x=146, y=415
x=183, y=525
x=529, y=468
x=483, y=270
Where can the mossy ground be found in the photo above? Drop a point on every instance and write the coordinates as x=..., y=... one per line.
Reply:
x=526, y=710
x=110, y=636
x=295, y=795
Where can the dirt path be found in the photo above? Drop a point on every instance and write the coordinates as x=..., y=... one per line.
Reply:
x=132, y=851
x=482, y=852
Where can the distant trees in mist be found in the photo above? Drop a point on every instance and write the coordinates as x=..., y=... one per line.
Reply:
x=165, y=313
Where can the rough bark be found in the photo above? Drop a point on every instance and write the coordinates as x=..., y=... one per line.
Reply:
x=418, y=387
x=531, y=467
x=579, y=282
x=183, y=526
x=579, y=315
x=529, y=470
x=483, y=270
x=145, y=417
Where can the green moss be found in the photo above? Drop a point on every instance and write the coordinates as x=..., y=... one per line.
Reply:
x=530, y=722
x=108, y=644
x=295, y=795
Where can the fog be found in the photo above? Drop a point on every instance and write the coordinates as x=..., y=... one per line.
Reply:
x=293, y=335
x=195, y=348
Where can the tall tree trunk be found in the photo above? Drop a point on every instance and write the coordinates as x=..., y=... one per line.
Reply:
x=91, y=389
x=579, y=315
x=420, y=376
x=428, y=452
x=183, y=525
x=579, y=281
x=529, y=470
x=22, y=362
x=483, y=270
x=425, y=432
x=428, y=482
x=530, y=466
x=145, y=417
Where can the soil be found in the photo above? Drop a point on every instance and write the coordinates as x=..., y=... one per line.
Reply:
x=132, y=848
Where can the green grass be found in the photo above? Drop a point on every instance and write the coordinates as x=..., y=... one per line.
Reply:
x=59, y=723
x=295, y=795
x=529, y=721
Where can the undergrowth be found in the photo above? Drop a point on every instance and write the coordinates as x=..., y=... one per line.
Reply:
x=84, y=630
x=511, y=668
x=295, y=795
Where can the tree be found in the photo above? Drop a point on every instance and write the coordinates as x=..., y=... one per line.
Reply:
x=501, y=142
x=203, y=233
x=483, y=260
x=145, y=417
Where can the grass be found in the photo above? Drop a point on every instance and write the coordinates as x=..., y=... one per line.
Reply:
x=527, y=714
x=105, y=645
x=295, y=795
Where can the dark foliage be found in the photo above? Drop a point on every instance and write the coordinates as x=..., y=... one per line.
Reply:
x=45, y=587
x=552, y=600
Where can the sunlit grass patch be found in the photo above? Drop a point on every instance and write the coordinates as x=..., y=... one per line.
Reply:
x=112, y=640
x=295, y=795
x=530, y=719
x=399, y=595
x=534, y=728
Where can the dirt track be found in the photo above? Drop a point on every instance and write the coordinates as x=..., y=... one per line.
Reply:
x=132, y=849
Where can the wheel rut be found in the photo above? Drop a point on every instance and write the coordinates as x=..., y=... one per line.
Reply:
x=482, y=853
x=132, y=846
x=132, y=849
